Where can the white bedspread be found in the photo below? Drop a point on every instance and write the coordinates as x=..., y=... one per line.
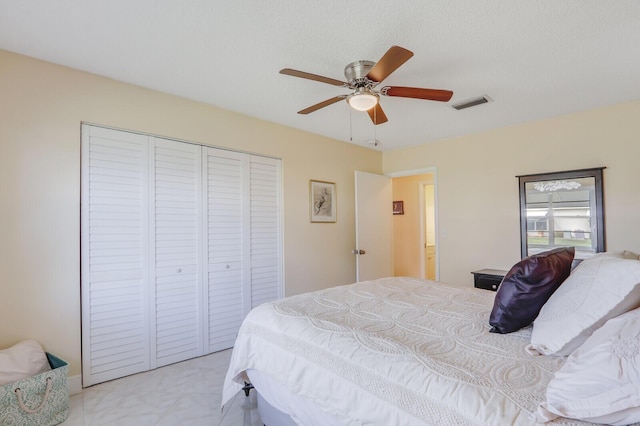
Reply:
x=395, y=351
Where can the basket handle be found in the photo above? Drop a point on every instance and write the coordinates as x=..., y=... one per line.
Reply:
x=39, y=407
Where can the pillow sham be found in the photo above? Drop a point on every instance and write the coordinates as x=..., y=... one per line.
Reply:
x=600, y=288
x=527, y=286
x=600, y=381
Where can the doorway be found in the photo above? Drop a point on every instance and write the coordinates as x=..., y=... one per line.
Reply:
x=428, y=230
x=415, y=250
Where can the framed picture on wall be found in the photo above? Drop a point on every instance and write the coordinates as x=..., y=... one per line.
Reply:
x=398, y=207
x=322, y=201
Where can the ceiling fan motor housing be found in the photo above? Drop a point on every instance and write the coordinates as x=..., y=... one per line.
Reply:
x=356, y=74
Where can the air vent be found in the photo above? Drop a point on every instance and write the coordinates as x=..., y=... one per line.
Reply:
x=472, y=102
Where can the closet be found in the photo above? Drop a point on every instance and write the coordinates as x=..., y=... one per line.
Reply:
x=178, y=242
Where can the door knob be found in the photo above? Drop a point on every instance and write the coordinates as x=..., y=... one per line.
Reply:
x=358, y=251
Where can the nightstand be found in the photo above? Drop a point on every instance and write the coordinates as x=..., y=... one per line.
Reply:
x=488, y=279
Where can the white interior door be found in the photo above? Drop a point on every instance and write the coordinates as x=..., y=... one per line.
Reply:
x=373, y=226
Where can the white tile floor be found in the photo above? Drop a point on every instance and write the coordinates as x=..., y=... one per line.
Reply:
x=186, y=393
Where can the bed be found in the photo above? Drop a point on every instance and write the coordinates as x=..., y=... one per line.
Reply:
x=393, y=351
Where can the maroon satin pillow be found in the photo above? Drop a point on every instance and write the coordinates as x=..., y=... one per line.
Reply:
x=527, y=286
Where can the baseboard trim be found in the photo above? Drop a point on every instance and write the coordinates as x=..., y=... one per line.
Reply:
x=75, y=384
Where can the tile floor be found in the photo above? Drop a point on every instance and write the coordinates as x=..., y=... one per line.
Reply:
x=186, y=393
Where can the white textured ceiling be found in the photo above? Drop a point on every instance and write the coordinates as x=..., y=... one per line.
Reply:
x=534, y=58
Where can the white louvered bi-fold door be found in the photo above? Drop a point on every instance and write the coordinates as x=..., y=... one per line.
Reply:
x=114, y=245
x=244, y=239
x=178, y=243
x=225, y=235
x=265, y=264
x=175, y=218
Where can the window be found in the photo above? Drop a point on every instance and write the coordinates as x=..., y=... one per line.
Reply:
x=562, y=209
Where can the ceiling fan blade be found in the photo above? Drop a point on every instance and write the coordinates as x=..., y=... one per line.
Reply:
x=322, y=104
x=377, y=114
x=309, y=76
x=417, y=93
x=389, y=62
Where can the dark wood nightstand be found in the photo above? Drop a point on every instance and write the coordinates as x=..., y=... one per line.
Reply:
x=488, y=279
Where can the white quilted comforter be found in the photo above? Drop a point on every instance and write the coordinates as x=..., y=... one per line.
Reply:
x=395, y=351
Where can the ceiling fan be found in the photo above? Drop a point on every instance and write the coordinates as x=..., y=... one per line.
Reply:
x=363, y=77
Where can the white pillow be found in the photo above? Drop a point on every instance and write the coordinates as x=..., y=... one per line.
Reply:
x=22, y=360
x=600, y=382
x=600, y=288
x=624, y=254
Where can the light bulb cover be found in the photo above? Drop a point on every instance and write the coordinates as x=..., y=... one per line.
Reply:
x=362, y=101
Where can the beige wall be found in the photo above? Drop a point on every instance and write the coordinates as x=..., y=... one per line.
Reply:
x=478, y=210
x=41, y=108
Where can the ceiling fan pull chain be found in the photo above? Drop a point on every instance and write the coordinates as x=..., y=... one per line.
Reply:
x=350, y=126
x=375, y=127
x=375, y=121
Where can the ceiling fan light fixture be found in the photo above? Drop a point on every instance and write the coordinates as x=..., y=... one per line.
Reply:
x=363, y=100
